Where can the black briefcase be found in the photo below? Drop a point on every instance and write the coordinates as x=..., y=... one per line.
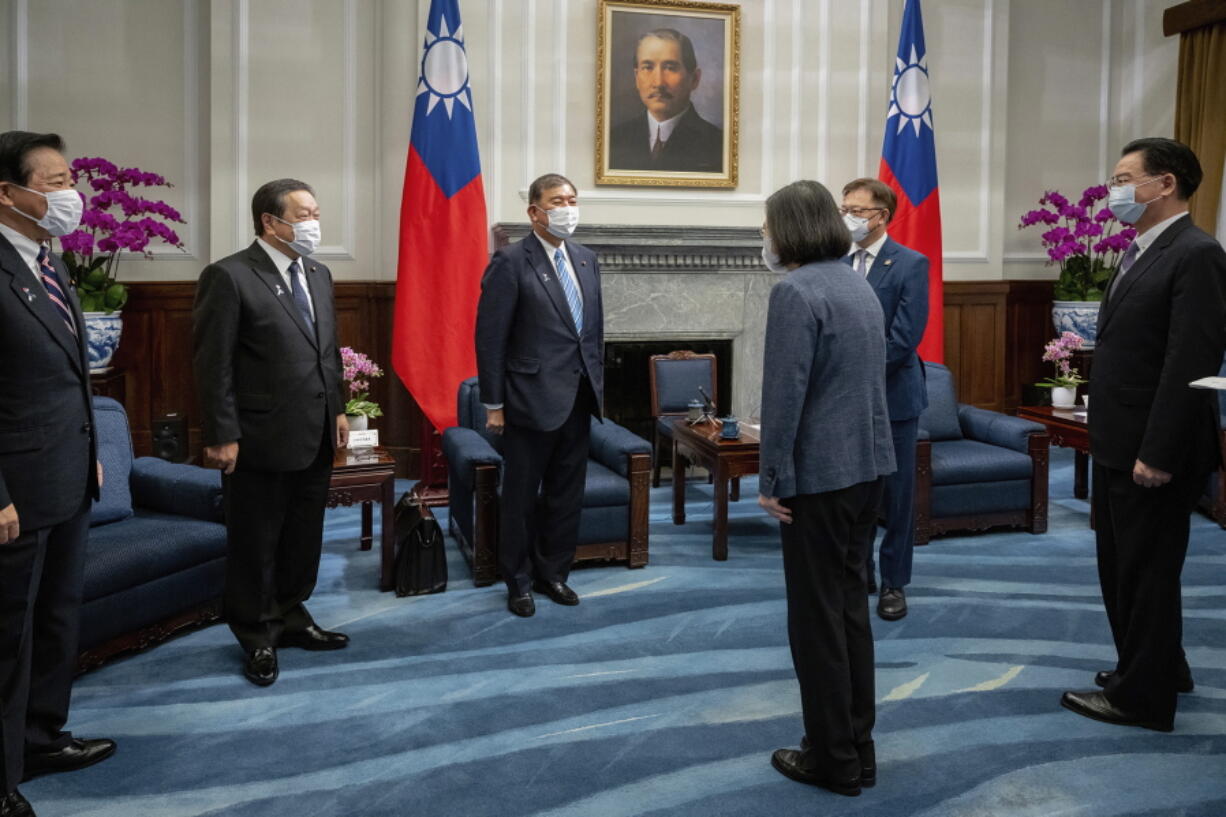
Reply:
x=421, y=561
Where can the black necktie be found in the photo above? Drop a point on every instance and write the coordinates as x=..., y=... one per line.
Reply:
x=300, y=296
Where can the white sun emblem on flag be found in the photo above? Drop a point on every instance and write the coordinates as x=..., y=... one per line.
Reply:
x=911, y=98
x=444, y=69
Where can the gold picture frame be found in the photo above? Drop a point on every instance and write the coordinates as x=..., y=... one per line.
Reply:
x=686, y=75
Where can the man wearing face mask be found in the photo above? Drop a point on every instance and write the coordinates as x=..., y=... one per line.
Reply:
x=899, y=277
x=268, y=371
x=540, y=360
x=1154, y=439
x=48, y=468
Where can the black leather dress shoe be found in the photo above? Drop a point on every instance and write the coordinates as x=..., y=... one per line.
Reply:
x=558, y=591
x=14, y=805
x=789, y=763
x=868, y=761
x=1183, y=684
x=892, y=604
x=313, y=638
x=76, y=755
x=261, y=666
x=1096, y=706
x=522, y=605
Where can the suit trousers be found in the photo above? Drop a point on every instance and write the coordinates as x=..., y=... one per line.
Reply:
x=41, y=579
x=1142, y=538
x=544, y=474
x=274, y=532
x=898, y=544
x=828, y=621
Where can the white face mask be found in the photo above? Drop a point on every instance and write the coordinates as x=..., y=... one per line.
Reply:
x=63, y=211
x=562, y=221
x=857, y=226
x=307, y=235
x=1123, y=204
x=771, y=258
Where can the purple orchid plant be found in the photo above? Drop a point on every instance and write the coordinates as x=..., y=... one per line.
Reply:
x=1060, y=352
x=113, y=220
x=357, y=370
x=1083, y=241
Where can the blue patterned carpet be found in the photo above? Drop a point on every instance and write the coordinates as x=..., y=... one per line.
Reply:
x=662, y=694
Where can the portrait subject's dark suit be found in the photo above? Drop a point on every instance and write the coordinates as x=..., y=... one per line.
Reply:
x=271, y=382
x=1162, y=325
x=48, y=453
x=899, y=277
x=550, y=380
x=694, y=146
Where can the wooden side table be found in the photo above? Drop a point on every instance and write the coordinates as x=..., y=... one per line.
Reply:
x=1068, y=428
x=725, y=459
x=369, y=476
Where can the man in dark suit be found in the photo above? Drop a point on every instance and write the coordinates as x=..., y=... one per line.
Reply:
x=268, y=371
x=540, y=360
x=671, y=136
x=899, y=276
x=1152, y=437
x=49, y=472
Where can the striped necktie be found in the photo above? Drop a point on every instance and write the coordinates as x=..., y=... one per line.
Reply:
x=55, y=290
x=572, y=292
x=299, y=294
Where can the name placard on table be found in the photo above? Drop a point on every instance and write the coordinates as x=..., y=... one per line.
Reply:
x=364, y=439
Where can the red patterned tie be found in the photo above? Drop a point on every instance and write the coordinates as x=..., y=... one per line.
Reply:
x=55, y=291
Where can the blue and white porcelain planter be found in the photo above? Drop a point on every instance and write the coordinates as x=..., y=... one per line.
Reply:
x=1078, y=317
x=104, y=331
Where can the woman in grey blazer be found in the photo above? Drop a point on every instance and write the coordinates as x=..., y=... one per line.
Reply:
x=825, y=447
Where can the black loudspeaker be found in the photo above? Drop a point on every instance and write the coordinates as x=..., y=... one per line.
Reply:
x=170, y=437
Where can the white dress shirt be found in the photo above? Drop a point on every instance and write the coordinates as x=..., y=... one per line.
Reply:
x=871, y=253
x=1147, y=238
x=26, y=247
x=661, y=130
x=282, y=262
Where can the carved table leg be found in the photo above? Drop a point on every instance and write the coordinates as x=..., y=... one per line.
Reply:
x=679, y=463
x=719, y=545
x=368, y=525
x=1081, y=462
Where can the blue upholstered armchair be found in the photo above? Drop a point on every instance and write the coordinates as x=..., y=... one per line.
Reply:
x=976, y=469
x=155, y=561
x=1214, y=500
x=613, y=524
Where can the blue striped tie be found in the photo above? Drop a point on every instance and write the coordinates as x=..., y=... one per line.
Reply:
x=300, y=297
x=55, y=290
x=572, y=291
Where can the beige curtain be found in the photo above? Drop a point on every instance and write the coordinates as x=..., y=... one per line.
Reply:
x=1200, y=113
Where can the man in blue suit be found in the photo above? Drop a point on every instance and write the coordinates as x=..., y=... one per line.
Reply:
x=540, y=361
x=899, y=276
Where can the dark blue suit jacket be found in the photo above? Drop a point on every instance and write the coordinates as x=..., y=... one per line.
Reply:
x=530, y=357
x=47, y=441
x=899, y=276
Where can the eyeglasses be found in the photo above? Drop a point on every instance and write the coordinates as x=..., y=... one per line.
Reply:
x=859, y=212
x=1117, y=181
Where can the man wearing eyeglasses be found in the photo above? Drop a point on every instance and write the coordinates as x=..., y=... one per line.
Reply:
x=899, y=276
x=1154, y=439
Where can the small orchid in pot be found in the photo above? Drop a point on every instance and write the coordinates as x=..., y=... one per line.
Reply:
x=357, y=370
x=1066, y=380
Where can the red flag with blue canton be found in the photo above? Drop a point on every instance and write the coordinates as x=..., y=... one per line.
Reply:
x=443, y=230
x=909, y=167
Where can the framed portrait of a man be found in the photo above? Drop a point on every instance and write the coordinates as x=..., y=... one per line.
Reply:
x=667, y=88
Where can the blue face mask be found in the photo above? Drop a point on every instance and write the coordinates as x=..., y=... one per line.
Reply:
x=1123, y=204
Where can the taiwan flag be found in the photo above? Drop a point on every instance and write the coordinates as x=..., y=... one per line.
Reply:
x=909, y=166
x=443, y=243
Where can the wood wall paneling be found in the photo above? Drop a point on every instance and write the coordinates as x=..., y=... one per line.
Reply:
x=975, y=318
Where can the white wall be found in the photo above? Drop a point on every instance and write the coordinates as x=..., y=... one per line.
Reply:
x=222, y=95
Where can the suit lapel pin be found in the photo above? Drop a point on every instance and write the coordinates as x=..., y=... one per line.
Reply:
x=280, y=291
x=30, y=296
x=887, y=262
